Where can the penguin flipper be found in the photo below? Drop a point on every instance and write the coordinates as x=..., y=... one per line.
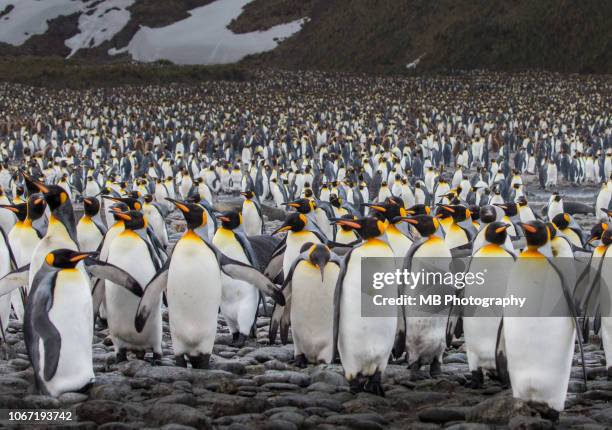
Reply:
x=110, y=272
x=501, y=361
x=337, y=299
x=275, y=265
x=281, y=317
x=41, y=304
x=454, y=325
x=237, y=270
x=15, y=279
x=97, y=296
x=151, y=296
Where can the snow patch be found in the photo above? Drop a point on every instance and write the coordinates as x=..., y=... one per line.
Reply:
x=99, y=23
x=204, y=38
x=29, y=17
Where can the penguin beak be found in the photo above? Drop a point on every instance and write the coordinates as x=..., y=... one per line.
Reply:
x=123, y=215
x=281, y=229
x=346, y=222
x=376, y=207
x=11, y=208
x=499, y=205
x=223, y=218
x=87, y=201
x=179, y=205
x=502, y=228
x=410, y=220
x=292, y=204
x=448, y=208
x=82, y=256
x=529, y=228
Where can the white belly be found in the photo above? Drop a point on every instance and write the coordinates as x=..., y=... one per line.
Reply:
x=89, y=236
x=193, y=305
x=252, y=221
x=294, y=243
x=72, y=315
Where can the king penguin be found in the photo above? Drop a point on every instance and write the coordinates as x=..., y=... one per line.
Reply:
x=90, y=230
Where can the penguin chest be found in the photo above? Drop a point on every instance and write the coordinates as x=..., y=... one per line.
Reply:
x=252, y=221
x=194, y=291
x=398, y=241
x=88, y=235
x=23, y=244
x=456, y=236
x=71, y=314
x=227, y=243
x=294, y=242
x=312, y=307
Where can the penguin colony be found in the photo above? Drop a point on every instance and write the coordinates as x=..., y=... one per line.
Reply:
x=405, y=168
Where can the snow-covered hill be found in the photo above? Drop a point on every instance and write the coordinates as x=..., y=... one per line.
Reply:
x=201, y=38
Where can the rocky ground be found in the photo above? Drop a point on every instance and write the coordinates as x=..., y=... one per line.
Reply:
x=258, y=387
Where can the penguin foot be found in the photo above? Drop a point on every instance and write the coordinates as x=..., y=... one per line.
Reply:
x=373, y=384
x=180, y=361
x=477, y=380
x=102, y=324
x=121, y=356
x=199, y=361
x=156, y=360
x=415, y=366
x=140, y=355
x=300, y=361
x=545, y=411
x=435, y=369
x=85, y=389
x=357, y=384
x=240, y=340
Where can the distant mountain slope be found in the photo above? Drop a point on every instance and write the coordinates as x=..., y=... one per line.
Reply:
x=351, y=35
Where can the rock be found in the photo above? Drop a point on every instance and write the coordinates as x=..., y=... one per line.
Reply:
x=280, y=386
x=322, y=386
x=109, y=392
x=230, y=366
x=279, y=425
x=71, y=398
x=442, y=415
x=576, y=386
x=225, y=404
x=104, y=411
x=41, y=402
x=521, y=422
x=183, y=399
x=19, y=363
x=408, y=399
x=603, y=416
x=468, y=426
x=597, y=395
x=279, y=353
x=176, y=413
x=329, y=377
x=459, y=357
x=11, y=384
x=288, y=376
x=368, y=421
x=177, y=427
x=119, y=426
x=364, y=402
x=277, y=365
x=500, y=409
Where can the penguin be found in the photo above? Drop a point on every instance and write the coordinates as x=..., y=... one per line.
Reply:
x=132, y=251
x=193, y=306
x=393, y=211
x=90, y=230
x=566, y=225
x=555, y=206
x=345, y=235
x=461, y=231
x=7, y=218
x=240, y=299
x=251, y=213
x=363, y=362
x=480, y=327
x=156, y=213
x=58, y=326
x=309, y=297
x=425, y=337
x=539, y=364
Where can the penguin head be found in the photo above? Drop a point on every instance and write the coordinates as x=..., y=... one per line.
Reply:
x=510, y=209
x=552, y=229
x=335, y=201
x=488, y=214
x=606, y=238
x=248, y=194
x=132, y=203
x=194, y=214
x=346, y=227
x=496, y=232
x=378, y=210
x=66, y=258
x=133, y=220
x=562, y=221
x=557, y=197
x=367, y=227
x=521, y=201
x=536, y=233
x=20, y=210
x=295, y=221
x=597, y=231
x=55, y=196
x=426, y=225
x=230, y=219
x=91, y=206
x=303, y=206
x=148, y=198
x=475, y=212
x=318, y=255
x=419, y=209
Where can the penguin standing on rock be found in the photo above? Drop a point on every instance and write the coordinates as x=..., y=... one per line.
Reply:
x=363, y=362
x=58, y=325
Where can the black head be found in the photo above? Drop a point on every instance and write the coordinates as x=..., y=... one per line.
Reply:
x=132, y=203
x=91, y=206
x=522, y=201
x=475, y=211
x=597, y=231
x=335, y=201
x=496, y=232
x=20, y=210
x=606, y=238
x=557, y=197
x=148, y=198
x=562, y=221
x=318, y=255
x=348, y=217
x=295, y=221
x=66, y=258
x=536, y=233
x=418, y=210
x=377, y=210
x=426, y=225
x=510, y=208
x=133, y=220
x=248, y=194
x=194, y=214
x=458, y=212
x=367, y=227
x=54, y=195
x=230, y=219
x=488, y=214
x=303, y=206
